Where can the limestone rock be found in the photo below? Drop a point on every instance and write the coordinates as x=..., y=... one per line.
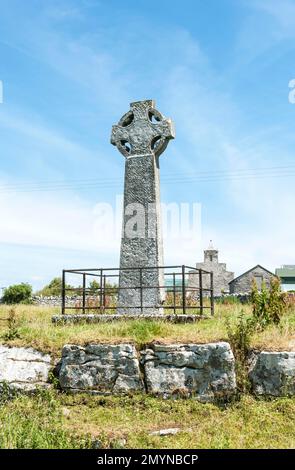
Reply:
x=100, y=368
x=205, y=371
x=24, y=368
x=273, y=373
x=165, y=432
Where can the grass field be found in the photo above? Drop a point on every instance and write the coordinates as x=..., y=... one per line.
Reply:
x=51, y=420
x=36, y=330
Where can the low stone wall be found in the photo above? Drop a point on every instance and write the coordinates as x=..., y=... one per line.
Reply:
x=24, y=368
x=55, y=300
x=202, y=371
x=74, y=300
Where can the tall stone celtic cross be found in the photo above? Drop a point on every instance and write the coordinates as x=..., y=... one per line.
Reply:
x=141, y=135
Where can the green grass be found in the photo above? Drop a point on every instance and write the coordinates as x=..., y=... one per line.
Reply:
x=36, y=423
x=51, y=420
x=35, y=329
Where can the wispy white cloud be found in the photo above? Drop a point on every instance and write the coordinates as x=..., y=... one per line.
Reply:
x=50, y=221
x=282, y=12
x=35, y=131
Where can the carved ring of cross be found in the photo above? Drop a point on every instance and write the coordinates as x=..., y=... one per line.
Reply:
x=142, y=130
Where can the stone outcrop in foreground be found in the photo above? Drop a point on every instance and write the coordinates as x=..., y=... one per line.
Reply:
x=204, y=371
x=273, y=374
x=24, y=368
x=100, y=368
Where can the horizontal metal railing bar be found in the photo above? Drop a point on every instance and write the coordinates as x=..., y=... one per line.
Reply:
x=176, y=274
x=133, y=268
x=197, y=269
x=83, y=272
x=116, y=289
x=136, y=307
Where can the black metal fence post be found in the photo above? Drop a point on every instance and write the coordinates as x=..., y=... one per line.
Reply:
x=140, y=283
x=63, y=292
x=100, y=291
x=183, y=289
x=201, y=291
x=84, y=293
x=104, y=292
x=211, y=294
x=174, y=294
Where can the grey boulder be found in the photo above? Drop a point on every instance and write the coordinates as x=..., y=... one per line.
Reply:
x=23, y=369
x=100, y=368
x=204, y=371
x=273, y=373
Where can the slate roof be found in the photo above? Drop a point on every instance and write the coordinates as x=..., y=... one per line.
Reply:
x=252, y=269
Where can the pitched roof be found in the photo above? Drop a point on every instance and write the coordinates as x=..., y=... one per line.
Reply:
x=252, y=269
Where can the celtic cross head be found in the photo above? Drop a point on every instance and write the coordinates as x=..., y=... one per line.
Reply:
x=142, y=130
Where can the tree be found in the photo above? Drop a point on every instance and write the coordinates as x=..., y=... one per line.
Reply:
x=53, y=288
x=94, y=287
x=17, y=294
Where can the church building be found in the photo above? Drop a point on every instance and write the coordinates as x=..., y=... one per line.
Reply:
x=221, y=277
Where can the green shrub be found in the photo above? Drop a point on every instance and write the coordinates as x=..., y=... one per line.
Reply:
x=268, y=305
x=13, y=330
x=17, y=294
x=277, y=301
x=94, y=287
x=239, y=335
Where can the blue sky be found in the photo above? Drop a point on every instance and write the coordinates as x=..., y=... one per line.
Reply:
x=220, y=69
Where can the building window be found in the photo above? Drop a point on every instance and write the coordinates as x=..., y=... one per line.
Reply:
x=258, y=279
x=211, y=258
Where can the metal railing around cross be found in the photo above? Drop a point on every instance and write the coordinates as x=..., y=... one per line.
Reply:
x=96, y=290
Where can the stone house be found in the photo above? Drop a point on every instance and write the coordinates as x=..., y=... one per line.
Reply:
x=243, y=283
x=221, y=277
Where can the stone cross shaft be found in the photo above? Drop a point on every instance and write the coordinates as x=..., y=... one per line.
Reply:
x=141, y=135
